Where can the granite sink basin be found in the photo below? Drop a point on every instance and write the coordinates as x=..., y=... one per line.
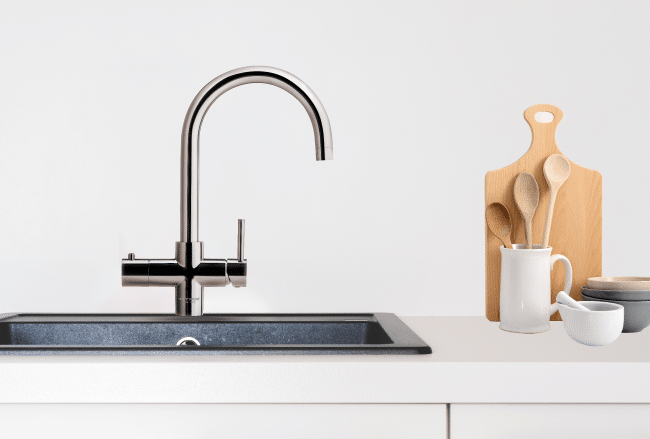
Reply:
x=158, y=334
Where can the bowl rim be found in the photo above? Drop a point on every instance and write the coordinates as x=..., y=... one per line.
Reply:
x=600, y=299
x=588, y=288
x=618, y=307
x=631, y=283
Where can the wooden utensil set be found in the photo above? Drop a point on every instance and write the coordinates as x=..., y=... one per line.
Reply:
x=526, y=193
x=575, y=211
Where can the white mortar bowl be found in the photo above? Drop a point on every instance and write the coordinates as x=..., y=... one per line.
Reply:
x=599, y=326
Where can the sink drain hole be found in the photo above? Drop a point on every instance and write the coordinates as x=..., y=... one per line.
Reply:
x=188, y=341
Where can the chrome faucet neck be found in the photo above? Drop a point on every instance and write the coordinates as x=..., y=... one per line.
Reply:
x=199, y=107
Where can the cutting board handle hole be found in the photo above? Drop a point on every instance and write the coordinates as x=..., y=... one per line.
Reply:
x=544, y=117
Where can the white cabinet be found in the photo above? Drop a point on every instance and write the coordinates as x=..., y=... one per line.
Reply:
x=326, y=421
x=228, y=421
x=556, y=421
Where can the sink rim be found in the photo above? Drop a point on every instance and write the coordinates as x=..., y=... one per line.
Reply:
x=404, y=340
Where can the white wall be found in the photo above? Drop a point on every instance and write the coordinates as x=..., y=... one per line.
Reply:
x=424, y=98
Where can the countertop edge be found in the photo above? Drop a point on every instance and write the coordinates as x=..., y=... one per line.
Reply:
x=472, y=363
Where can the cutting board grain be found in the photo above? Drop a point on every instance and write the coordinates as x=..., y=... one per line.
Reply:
x=577, y=218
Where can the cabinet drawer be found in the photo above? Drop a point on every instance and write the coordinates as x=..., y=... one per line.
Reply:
x=228, y=421
x=532, y=421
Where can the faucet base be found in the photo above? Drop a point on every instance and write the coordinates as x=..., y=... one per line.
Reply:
x=189, y=298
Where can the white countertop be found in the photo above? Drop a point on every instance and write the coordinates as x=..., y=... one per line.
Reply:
x=472, y=362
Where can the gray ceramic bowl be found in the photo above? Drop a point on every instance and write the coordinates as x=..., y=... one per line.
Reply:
x=637, y=312
x=633, y=295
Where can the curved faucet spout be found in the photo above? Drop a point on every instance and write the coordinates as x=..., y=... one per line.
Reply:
x=197, y=111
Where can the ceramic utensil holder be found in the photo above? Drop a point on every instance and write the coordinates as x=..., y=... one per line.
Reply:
x=525, y=302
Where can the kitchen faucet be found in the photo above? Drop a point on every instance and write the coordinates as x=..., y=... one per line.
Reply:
x=189, y=272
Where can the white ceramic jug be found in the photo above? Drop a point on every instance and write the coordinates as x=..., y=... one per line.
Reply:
x=525, y=297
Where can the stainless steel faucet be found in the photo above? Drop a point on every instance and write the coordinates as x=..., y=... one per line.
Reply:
x=189, y=271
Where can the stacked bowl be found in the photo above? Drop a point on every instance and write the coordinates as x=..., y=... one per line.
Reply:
x=631, y=292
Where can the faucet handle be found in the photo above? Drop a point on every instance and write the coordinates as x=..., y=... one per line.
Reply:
x=237, y=268
x=240, y=240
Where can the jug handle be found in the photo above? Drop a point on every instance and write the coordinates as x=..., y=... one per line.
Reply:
x=568, y=277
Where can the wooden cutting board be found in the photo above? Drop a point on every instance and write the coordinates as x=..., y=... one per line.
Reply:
x=576, y=230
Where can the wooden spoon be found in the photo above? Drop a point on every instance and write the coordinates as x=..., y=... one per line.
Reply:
x=498, y=221
x=556, y=171
x=526, y=198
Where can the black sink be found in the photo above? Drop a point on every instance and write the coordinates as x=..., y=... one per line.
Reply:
x=158, y=334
